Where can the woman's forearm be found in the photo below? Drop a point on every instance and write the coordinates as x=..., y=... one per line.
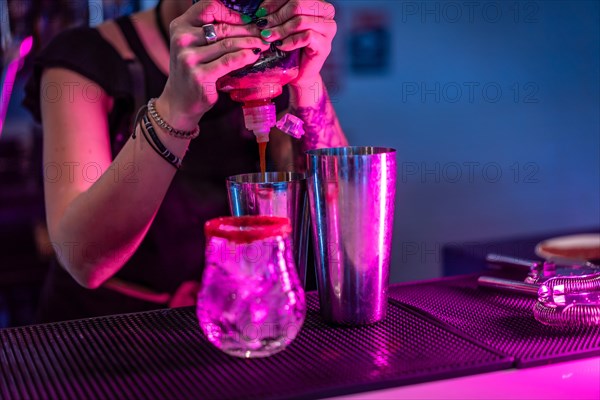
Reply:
x=321, y=125
x=101, y=228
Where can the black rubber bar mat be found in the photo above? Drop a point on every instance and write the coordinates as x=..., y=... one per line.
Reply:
x=502, y=321
x=163, y=354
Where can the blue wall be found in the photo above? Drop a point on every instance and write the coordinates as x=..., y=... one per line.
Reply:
x=489, y=164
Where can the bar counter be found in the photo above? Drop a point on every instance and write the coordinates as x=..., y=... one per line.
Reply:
x=434, y=330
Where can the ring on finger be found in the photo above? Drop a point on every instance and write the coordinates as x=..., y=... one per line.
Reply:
x=210, y=34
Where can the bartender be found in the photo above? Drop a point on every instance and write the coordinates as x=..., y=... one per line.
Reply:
x=126, y=222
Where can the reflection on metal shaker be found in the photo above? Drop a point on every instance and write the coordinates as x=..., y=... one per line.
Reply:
x=352, y=196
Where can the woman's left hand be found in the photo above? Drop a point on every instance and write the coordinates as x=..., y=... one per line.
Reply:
x=306, y=24
x=185, y=295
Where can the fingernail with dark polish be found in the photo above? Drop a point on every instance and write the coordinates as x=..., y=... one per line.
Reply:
x=274, y=45
x=256, y=50
x=261, y=23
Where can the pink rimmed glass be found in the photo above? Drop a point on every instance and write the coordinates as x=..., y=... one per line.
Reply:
x=251, y=303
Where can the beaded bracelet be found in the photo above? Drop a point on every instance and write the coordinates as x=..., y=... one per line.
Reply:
x=157, y=145
x=163, y=124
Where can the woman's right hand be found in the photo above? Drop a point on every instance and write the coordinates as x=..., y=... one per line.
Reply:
x=196, y=65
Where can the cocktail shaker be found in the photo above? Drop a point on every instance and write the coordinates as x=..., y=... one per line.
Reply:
x=352, y=194
x=279, y=194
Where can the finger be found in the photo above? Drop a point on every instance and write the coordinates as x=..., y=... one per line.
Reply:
x=229, y=62
x=212, y=52
x=186, y=36
x=211, y=11
x=298, y=24
x=312, y=42
x=321, y=11
x=270, y=6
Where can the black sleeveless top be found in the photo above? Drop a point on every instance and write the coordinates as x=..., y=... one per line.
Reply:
x=173, y=249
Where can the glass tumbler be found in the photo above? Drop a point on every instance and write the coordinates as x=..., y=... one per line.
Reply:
x=251, y=303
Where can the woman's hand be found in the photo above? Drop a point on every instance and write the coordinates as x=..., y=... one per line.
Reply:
x=185, y=295
x=306, y=24
x=196, y=65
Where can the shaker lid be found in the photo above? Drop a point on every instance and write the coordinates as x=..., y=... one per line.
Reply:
x=248, y=228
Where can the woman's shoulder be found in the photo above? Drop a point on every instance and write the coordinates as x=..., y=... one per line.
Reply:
x=82, y=50
x=82, y=38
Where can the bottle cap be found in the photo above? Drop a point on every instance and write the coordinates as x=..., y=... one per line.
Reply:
x=291, y=125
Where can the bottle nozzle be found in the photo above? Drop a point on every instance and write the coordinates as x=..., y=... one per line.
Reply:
x=260, y=119
x=261, y=137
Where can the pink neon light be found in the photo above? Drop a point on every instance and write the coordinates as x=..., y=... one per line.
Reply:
x=10, y=76
x=7, y=87
x=26, y=46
